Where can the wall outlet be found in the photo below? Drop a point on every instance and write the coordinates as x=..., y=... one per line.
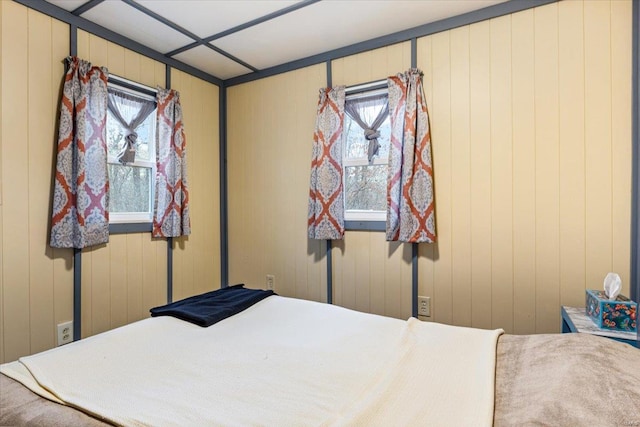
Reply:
x=271, y=281
x=424, y=306
x=65, y=333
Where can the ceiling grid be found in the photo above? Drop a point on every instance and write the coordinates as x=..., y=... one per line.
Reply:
x=234, y=38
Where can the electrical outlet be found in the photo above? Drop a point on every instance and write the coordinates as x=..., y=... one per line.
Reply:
x=65, y=333
x=271, y=281
x=424, y=306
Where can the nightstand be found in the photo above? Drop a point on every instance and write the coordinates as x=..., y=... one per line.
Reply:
x=574, y=319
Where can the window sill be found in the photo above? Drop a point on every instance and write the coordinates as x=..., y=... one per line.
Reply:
x=131, y=227
x=365, y=225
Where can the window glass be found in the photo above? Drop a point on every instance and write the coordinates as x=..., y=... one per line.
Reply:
x=129, y=188
x=131, y=185
x=366, y=188
x=365, y=182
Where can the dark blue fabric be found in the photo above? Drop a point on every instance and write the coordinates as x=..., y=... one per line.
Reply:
x=209, y=308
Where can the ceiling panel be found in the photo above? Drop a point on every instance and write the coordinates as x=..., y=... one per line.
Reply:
x=205, y=18
x=316, y=28
x=329, y=25
x=69, y=5
x=211, y=62
x=128, y=21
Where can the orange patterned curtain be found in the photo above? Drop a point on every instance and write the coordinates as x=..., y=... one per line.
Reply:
x=80, y=216
x=410, y=197
x=326, y=211
x=171, y=212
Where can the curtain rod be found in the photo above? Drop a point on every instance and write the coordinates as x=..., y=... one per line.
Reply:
x=366, y=87
x=131, y=85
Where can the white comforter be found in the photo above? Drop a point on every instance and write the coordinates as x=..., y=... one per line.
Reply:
x=283, y=362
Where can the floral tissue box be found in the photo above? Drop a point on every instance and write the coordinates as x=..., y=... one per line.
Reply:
x=620, y=314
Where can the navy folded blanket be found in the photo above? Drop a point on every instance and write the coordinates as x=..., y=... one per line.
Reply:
x=211, y=307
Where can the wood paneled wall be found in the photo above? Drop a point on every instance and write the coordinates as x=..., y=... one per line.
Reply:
x=196, y=258
x=531, y=127
x=126, y=277
x=269, y=155
x=369, y=273
x=36, y=281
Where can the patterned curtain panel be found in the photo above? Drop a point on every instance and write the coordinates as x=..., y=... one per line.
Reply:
x=171, y=210
x=326, y=211
x=81, y=191
x=410, y=198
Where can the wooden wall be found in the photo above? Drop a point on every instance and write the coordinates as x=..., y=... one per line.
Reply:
x=126, y=277
x=531, y=125
x=36, y=281
x=531, y=128
x=196, y=258
x=268, y=158
x=369, y=273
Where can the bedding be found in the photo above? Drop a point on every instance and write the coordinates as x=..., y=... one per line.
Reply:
x=317, y=364
x=211, y=307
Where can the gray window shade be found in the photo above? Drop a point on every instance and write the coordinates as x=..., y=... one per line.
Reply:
x=130, y=111
x=369, y=112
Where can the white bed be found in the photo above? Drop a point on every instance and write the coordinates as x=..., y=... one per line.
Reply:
x=289, y=362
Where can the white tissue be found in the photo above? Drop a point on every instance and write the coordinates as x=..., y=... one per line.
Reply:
x=612, y=285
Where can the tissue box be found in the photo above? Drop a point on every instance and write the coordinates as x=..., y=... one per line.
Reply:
x=620, y=314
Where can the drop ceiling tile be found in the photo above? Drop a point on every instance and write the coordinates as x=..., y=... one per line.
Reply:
x=130, y=22
x=205, y=18
x=329, y=25
x=211, y=62
x=69, y=5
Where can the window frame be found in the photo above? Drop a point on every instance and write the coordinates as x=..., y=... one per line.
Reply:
x=363, y=219
x=128, y=222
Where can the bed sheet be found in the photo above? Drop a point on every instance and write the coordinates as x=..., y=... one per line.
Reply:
x=282, y=362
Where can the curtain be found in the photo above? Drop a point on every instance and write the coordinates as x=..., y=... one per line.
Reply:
x=362, y=111
x=80, y=216
x=120, y=106
x=410, y=197
x=171, y=207
x=326, y=211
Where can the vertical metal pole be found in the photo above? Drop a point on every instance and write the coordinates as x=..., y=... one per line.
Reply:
x=329, y=259
x=329, y=274
x=73, y=40
x=635, y=185
x=167, y=79
x=169, y=270
x=414, y=280
x=77, y=294
x=77, y=253
x=224, y=218
x=414, y=52
x=414, y=246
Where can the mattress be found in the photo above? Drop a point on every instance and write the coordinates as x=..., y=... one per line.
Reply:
x=536, y=376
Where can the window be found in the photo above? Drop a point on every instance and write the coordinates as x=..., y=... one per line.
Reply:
x=131, y=184
x=366, y=121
